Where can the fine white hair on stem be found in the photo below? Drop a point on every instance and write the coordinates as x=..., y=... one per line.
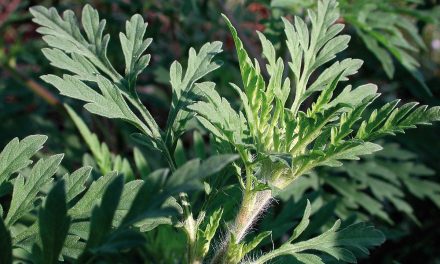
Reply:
x=261, y=203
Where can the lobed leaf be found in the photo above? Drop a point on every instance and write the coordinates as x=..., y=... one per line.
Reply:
x=342, y=244
x=26, y=190
x=75, y=182
x=133, y=46
x=185, y=87
x=16, y=155
x=92, y=196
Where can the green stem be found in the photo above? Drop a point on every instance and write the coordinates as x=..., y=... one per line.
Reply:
x=151, y=124
x=253, y=204
x=251, y=207
x=271, y=255
x=287, y=249
x=168, y=156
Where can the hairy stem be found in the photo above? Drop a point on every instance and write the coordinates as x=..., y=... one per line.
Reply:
x=254, y=203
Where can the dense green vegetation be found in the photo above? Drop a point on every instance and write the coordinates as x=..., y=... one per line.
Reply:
x=194, y=139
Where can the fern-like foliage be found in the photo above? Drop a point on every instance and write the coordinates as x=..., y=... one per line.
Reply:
x=361, y=188
x=379, y=188
x=296, y=120
x=329, y=131
x=343, y=244
x=279, y=137
x=91, y=78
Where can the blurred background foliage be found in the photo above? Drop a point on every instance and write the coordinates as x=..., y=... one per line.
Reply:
x=399, y=40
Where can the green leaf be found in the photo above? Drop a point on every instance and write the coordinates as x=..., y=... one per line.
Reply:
x=302, y=224
x=92, y=196
x=190, y=175
x=141, y=163
x=388, y=34
x=307, y=258
x=105, y=160
x=102, y=215
x=64, y=34
x=120, y=241
x=179, y=154
x=109, y=103
x=76, y=64
x=123, y=166
x=380, y=53
x=75, y=182
x=391, y=119
x=133, y=46
x=72, y=247
x=248, y=247
x=53, y=223
x=388, y=29
x=348, y=152
x=86, y=57
x=216, y=114
x=341, y=244
x=253, y=82
x=332, y=155
x=26, y=190
x=311, y=128
x=184, y=83
x=16, y=155
x=237, y=251
x=145, y=140
x=129, y=193
x=142, y=210
x=205, y=236
x=311, y=49
x=380, y=178
x=354, y=97
x=199, y=145
x=103, y=239
x=114, y=105
x=353, y=193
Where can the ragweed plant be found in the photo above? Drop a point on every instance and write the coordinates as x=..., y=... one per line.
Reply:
x=100, y=218
x=91, y=77
x=280, y=139
x=292, y=123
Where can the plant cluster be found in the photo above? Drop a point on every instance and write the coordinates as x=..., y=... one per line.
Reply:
x=294, y=123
